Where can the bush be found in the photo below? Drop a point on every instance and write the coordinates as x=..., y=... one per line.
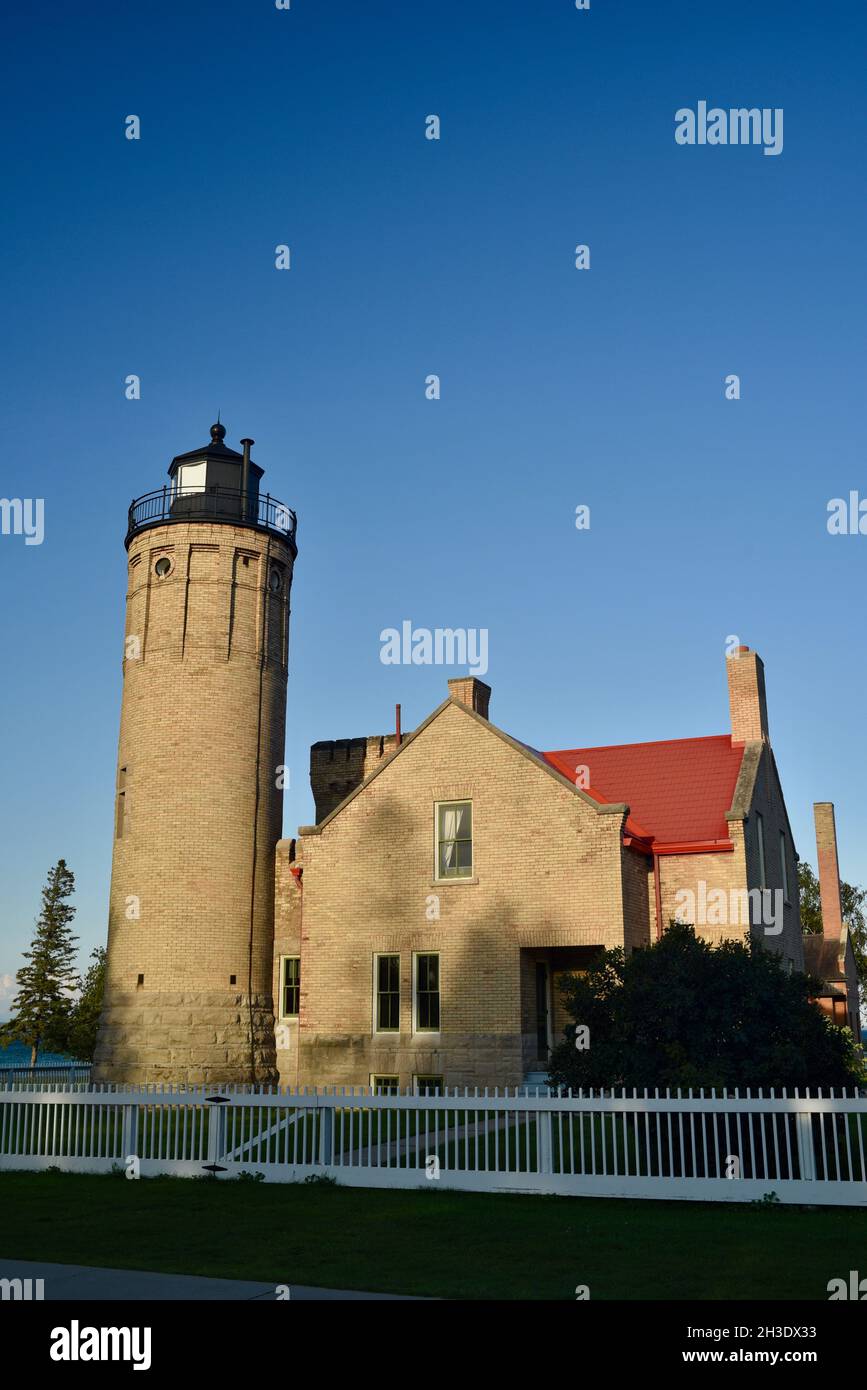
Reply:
x=683, y=1013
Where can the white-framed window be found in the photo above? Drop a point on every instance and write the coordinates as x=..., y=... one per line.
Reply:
x=426, y=992
x=454, y=839
x=428, y=1085
x=386, y=993
x=290, y=986
x=760, y=840
x=385, y=1085
x=784, y=866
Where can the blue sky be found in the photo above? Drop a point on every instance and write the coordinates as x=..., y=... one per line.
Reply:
x=456, y=257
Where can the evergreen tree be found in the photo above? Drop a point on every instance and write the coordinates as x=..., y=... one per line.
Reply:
x=43, y=1004
x=853, y=900
x=84, y=1019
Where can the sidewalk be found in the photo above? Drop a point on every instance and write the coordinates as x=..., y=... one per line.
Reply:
x=70, y=1283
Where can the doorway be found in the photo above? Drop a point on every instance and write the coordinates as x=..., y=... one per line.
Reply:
x=543, y=1010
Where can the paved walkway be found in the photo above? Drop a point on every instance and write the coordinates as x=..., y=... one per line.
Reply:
x=68, y=1283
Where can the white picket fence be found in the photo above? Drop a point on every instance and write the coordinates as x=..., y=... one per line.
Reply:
x=45, y=1073
x=703, y=1147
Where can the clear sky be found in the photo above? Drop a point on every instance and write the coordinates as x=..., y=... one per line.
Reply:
x=409, y=257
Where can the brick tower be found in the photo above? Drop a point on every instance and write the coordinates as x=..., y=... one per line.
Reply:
x=198, y=807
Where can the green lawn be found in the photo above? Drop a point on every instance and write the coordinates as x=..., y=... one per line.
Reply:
x=437, y=1242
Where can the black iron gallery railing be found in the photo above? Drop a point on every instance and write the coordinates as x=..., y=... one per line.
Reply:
x=211, y=504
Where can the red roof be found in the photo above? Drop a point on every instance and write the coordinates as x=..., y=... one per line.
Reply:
x=678, y=790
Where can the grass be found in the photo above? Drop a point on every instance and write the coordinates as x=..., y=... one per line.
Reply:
x=434, y=1242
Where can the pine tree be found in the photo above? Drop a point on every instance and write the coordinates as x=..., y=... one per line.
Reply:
x=42, y=1006
x=84, y=1019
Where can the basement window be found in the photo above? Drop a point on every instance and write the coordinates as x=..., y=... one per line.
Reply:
x=428, y=1085
x=385, y=1085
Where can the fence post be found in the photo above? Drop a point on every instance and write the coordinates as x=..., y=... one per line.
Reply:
x=216, y=1132
x=806, y=1155
x=326, y=1134
x=544, y=1142
x=129, y=1134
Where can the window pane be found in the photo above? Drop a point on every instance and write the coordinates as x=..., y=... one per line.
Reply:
x=464, y=822
x=428, y=970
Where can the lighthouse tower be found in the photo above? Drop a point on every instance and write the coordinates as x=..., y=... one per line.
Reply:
x=198, y=799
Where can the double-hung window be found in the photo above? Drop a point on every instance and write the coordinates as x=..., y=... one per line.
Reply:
x=290, y=991
x=387, y=1002
x=454, y=839
x=427, y=993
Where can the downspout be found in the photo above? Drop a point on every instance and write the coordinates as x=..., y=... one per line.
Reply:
x=296, y=870
x=658, y=891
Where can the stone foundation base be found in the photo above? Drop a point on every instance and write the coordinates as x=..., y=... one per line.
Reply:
x=472, y=1059
x=186, y=1039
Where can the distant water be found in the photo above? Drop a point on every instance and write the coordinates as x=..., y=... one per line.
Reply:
x=18, y=1055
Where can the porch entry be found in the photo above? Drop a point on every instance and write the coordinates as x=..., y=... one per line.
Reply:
x=543, y=1012
x=544, y=1039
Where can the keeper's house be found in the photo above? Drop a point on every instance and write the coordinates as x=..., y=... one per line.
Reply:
x=452, y=876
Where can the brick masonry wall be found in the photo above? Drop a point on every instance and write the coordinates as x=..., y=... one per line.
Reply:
x=338, y=766
x=768, y=801
x=183, y=852
x=548, y=871
x=739, y=870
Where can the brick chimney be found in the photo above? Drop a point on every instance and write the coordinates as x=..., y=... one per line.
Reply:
x=471, y=692
x=829, y=873
x=747, y=702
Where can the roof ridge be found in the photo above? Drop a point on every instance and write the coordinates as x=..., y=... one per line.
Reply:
x=646, y=743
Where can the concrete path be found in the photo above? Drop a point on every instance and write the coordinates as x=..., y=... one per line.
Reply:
x=68, y=1283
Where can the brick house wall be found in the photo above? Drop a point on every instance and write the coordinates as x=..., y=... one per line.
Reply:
x=553, y=882
x=548, y=871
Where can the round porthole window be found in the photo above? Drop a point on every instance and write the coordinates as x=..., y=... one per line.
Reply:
x=275, y=581
x=163, y=566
